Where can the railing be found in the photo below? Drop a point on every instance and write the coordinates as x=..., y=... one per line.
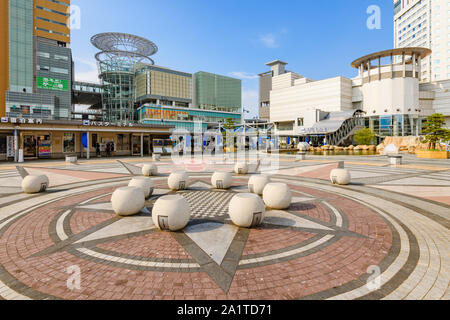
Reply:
x=348, y=128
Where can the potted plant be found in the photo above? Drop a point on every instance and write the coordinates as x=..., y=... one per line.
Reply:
x=435, y=133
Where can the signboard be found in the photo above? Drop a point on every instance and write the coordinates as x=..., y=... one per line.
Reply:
x=44, y=148
x=52, y=84
x=21, y=120
x=10, y=150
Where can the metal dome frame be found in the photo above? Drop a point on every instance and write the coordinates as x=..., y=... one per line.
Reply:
x=124, y=42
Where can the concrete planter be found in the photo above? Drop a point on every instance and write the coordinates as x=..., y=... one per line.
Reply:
x=432, y=154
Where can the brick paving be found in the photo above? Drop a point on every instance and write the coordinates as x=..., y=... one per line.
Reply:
x=354, y=232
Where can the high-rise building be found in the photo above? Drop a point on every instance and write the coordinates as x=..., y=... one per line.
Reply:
x=217, y=93
x=36, y=61
x=425, y=23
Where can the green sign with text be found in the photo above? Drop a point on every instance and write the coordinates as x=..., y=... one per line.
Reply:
x=52, y=84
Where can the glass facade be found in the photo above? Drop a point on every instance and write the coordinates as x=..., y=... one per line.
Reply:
x=21, y=46
x=183, y=118
x=220, y=93
x=395, y=125
x=118, y=93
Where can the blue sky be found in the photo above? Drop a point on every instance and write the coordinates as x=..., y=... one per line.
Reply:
x=319, y=39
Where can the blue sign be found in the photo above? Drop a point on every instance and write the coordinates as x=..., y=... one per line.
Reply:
x=84, y=140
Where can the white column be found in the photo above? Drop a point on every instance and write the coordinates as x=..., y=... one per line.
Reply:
x=88, y=150
x=16, y=145
x=414, y=64
x=392, y=67
x=404, y=65
x=369, y=66
x=142, y=144
x=419, y=67
x=379, y=68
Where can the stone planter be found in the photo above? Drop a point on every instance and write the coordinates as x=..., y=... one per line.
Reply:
x=427, y=154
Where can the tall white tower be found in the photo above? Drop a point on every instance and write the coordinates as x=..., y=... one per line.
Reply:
x=425, y=23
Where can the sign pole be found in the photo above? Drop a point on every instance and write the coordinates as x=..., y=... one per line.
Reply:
x=16, y=146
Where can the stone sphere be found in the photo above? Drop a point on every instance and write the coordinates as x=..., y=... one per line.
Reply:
x=178, y=181
x=340, y=177
x=246, y=210
x=221, y=180
x=144, y=183
x=390, y=149
x=241, y=168
x=277, y=196
x=35, y=184
x=171, y=213
x=303, y=146
x=149, y=170
x=128, y=201
x=256, y=184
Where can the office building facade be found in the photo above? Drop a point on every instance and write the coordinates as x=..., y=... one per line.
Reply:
x=37, y=62
x=425, y=23
x=387, y=96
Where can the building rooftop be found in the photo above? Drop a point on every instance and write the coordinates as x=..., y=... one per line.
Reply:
x=424, y=52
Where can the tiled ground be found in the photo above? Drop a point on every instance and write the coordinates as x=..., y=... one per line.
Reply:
x=394, y=220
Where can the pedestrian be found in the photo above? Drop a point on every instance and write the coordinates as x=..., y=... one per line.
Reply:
x=108, y=149
x=112, y=148
x=97, y=149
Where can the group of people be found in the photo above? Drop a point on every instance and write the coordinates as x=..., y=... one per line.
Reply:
x=109, y=148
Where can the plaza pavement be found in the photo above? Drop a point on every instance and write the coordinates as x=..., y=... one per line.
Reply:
x=391, y=219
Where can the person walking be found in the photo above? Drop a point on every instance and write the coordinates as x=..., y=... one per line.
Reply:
x=112, y=148
x=97, y=149
x=108, y=149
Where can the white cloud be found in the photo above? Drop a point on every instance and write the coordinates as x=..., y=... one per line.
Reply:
x=243, y=75
x=90, y=70
x=269, y=40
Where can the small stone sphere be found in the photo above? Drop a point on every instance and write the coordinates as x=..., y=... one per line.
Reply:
x=256, y=184
x=178, y=181
x=221, y=180
x=128, y=201
x=241, y=168
x=171, y=213
x=146, y=184
x=149, y=170
x=340, y=177
x=277, y=196
x=246, y=210
x=390, y=149
x=303, y=146
x=35, y=184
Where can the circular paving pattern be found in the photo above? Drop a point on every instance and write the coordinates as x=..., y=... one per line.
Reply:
x=332, y=243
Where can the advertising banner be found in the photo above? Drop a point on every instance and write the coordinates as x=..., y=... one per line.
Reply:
x=10, y=151
x=52, y=84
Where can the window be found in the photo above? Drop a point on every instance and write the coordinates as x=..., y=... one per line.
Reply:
x=43, y=54
x=42, y=68
x=300, y=122
x=59, y=70
x=69, y=142
x=59, y=57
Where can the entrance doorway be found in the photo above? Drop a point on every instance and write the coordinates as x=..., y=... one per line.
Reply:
x=29, y=147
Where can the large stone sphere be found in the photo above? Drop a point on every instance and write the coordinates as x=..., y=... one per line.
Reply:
x=35, y=184
x=303, y=146
x=246, y=210
x=390, y=149
x=171, y=213
x=128, y=201
x=340, y=177
x=241, y=168
x=277, y=196
x=144, y=183
x=221, y=180
x=178, y=181
x=257, y=183
x=149, y=170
